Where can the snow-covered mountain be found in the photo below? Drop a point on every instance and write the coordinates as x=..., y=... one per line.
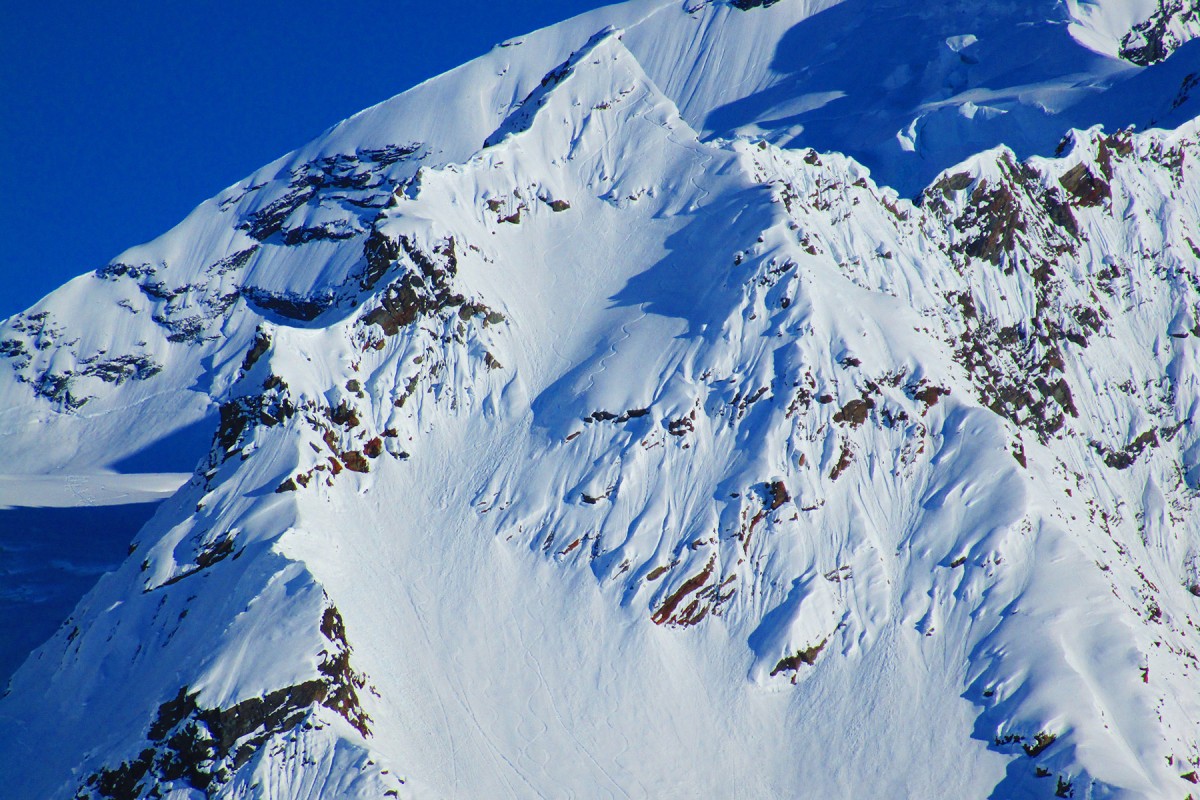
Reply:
x=747, y=399
x=1151, y=40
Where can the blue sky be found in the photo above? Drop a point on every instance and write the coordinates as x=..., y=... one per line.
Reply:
x=118, y=119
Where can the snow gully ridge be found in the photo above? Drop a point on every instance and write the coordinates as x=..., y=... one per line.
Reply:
x=688, y=398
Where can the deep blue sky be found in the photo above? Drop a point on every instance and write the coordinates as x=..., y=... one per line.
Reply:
x=118, y=119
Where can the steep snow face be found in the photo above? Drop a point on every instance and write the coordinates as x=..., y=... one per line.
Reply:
x=1155, y=36
x=1102, y=25
x=557, y=445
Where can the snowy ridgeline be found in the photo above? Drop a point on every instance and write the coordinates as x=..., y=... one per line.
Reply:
x=560, y=446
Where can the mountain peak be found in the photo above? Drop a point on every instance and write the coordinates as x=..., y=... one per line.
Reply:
x=601, y=47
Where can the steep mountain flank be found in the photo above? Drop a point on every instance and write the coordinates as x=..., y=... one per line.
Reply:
x=570, y=449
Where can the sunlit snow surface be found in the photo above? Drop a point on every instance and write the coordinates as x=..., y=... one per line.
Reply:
x=566, y=426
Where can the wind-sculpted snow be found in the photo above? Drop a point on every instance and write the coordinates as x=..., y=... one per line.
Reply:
x=567, y=451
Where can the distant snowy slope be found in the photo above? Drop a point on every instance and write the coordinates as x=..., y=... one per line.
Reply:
x=58, y=534
x=569, y=430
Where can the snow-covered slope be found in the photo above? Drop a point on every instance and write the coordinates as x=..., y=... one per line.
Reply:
x=570, y=437
x=1156, y=36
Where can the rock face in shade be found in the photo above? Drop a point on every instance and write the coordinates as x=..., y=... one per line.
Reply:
x=577, y=428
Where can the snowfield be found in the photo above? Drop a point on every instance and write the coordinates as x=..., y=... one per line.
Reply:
x=691, y=398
